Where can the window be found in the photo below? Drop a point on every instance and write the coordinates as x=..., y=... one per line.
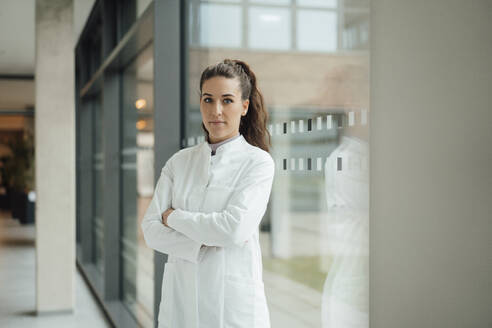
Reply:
x=280, y=25
x=223, y=28
x=137, y=185
x=317, y=30
x=269, y=28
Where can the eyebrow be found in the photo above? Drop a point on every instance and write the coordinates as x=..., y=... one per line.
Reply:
x=224, y=95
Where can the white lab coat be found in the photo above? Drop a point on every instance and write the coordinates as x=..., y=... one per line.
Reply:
x=219, y=201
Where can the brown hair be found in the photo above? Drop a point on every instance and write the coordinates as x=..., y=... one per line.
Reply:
x=253, y=125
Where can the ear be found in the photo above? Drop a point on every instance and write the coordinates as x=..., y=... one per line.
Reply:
x=245, y=106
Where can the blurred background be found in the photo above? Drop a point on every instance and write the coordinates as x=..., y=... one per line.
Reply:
x=380, y=123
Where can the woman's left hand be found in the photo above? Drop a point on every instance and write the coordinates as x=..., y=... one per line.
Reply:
x=165, y=215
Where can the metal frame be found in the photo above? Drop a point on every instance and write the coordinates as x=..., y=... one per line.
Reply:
x=169, y=102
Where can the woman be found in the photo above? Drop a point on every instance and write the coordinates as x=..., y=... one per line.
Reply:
x=207, y=206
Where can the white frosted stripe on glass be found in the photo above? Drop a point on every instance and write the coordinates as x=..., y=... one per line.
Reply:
x=301, y=126
x=363, y=117
x=270, y=129
x=191, y=141
x=301, y=164
x=351, y=118
x=318, y=163
x=277, y=128
x=329, y=122
x=293, y=126
x=292, y=164
x=319, y=123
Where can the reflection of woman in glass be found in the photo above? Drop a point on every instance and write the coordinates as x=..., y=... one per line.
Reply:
x=345, y=300
x=207, y=206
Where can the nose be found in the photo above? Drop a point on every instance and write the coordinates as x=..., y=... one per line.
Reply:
x=217, y=109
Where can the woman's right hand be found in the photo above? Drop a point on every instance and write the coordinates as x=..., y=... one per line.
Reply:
x=165, y=215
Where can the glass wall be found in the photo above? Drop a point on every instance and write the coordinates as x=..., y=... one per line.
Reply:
x=115, y=157
x=312, y=63
x=137, y=179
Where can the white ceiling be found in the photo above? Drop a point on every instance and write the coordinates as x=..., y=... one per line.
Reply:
x=17, y=37
x=17, y=48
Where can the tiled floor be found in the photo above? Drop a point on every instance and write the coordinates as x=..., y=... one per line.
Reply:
x=17, y=285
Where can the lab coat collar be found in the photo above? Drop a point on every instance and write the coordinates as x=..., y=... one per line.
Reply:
x=232, y=145
x=205, y=156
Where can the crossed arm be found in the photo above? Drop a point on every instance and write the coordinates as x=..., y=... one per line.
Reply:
x=182, y=233
x=160, y=237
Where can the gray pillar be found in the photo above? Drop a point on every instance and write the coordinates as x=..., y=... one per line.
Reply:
x=431, y=154
x=55, y=156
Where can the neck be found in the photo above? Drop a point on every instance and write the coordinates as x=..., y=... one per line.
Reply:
x=216, y=145
x=213, y=142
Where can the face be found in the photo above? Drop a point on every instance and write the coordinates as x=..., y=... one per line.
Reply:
x=222, y=107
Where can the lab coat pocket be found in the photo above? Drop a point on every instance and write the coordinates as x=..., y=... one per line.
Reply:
x=165, y=308
x=239, y=302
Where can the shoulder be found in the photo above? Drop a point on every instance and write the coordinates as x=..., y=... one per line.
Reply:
x=258, y=157
x=187, y=152
x=181, y=156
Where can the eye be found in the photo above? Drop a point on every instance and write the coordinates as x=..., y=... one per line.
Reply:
x=207, y=100
x=228, y=101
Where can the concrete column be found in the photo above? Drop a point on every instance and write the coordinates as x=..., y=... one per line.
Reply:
x=431, y=154
x=55, y=156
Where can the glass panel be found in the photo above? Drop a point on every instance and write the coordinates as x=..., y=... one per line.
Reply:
x=355, y=33
x=98, y=176
x=220, y=25
x=269, y=28
x=317, y=30
x=318, y=3
x=137, y=167
x=314, y=236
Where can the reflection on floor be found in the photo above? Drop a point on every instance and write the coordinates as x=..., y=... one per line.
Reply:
x=291, y=304
x=293, y=300
x=322, y=278
x=17, y=284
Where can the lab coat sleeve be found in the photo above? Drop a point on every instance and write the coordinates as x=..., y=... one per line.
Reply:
x=156, y=234
x=241, y=216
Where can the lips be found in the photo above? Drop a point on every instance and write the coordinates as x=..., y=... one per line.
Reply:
x=216, y=122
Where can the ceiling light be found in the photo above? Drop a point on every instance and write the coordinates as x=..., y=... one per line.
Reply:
x=140, y=103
